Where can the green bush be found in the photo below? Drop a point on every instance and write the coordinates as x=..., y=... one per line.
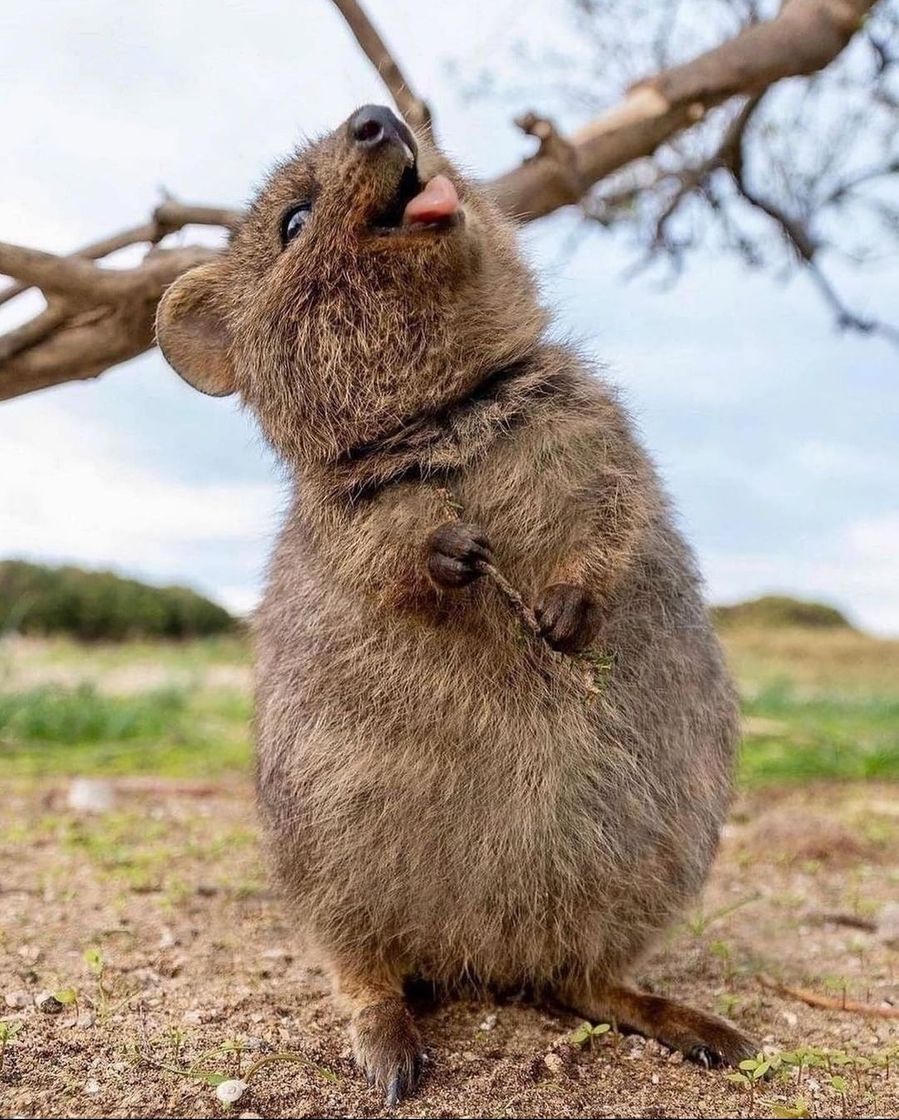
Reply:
x=780, y=611
x=94, y=606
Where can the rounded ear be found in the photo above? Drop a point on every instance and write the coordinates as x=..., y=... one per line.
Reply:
x=191, y=332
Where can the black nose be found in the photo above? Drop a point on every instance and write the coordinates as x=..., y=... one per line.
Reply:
x=373, y=125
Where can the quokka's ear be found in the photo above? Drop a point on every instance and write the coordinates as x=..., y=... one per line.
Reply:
x=192, y=334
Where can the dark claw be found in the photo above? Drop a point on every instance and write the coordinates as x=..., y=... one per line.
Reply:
x=706, y=1057
x=393, y=1093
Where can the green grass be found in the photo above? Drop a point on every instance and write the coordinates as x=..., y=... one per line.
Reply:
x=816, y=706
x=791, y=737
x=171, y=731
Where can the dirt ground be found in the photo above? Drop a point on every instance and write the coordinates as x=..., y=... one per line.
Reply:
x=175, y=963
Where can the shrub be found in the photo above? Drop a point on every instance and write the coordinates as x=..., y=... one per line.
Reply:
x=94, y=606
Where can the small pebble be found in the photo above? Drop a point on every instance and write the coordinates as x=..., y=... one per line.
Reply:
x=91, y=795
x=553, y=1063
x=888, y=924
x=488, y=1024
x=18, y=999
x=30, y=954
x=48, y=1003
x=167, y=939
x=92, y=1087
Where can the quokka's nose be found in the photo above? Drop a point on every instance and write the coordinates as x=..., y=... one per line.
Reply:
x=374, y=125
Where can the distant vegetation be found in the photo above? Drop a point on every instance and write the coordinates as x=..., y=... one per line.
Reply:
x=780, y=611
x=95, y=606
x=818, y=703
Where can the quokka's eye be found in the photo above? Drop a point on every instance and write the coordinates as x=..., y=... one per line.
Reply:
x=293, y=221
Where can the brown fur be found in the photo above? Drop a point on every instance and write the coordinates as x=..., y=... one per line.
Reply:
x=440, y=800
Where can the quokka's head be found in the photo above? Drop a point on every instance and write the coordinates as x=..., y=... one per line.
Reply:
x=369, y=283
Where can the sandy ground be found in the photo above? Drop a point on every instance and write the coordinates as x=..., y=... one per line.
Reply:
x=158, y=920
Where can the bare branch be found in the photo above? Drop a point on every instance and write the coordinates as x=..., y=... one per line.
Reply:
x=98, y=316
x=106, y=317
x=169, y=217
x=807, y=249
x=413, y=108
x=32, y=332
x=806, y=36
x=65, y=276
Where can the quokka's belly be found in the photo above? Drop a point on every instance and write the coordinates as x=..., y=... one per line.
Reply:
x=471, y=833
x=447, y=796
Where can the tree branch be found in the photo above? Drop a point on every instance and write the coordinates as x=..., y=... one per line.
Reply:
x=413, y=108
x=97, y=317
x=807, y=248
x=805, y=37
x=170, y=216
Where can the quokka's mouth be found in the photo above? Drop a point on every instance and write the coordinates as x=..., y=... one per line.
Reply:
x=420, y=206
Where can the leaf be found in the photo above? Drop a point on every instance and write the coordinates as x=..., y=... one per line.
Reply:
x=66, y=996
x=797, y=1111
x=94, y=960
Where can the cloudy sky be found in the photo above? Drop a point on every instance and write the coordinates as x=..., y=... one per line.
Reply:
x=776, y=435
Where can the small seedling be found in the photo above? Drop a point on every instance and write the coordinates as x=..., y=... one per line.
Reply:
x=722, y=951
x=8, y=1031
x=229, y=1090
x=236, y=1047
x=699, y=921
x=751, y=1071
x=838, y=1085
x=176, y=1038
x=587, y=1033
x=727, y=1004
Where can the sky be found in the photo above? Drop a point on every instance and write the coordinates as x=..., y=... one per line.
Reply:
x=776, y=436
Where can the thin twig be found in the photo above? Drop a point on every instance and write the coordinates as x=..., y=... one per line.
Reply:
x=413, y=108
x=828, y=1003
x=589, y=670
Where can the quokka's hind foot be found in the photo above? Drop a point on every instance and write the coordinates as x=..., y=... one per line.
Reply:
x=701, y=1037
x=387, y=1047
x=386, y=1042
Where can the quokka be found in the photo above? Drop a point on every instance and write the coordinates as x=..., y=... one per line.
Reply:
x=440, y=799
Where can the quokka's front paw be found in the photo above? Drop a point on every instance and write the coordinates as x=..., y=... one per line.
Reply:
x=455, y=552
x=387, y=1047
x=568, y=617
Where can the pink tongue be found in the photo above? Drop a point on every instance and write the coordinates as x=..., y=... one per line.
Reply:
x=437, y=200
